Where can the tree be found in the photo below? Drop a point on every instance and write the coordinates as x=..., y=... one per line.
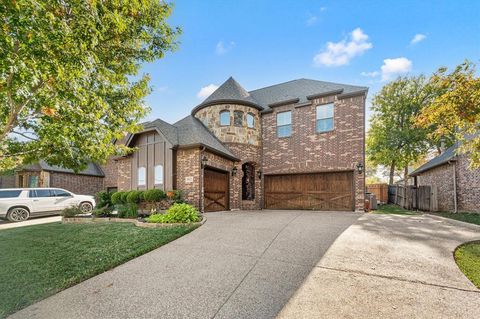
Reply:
x=456, y=110
x=393, y=139
x=68, y=76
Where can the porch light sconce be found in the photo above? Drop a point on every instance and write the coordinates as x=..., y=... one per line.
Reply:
x=360, y=168
x=204, y=161
x=234, y=171
x=259, y=174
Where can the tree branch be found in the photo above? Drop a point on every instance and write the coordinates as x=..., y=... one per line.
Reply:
x=26, y=136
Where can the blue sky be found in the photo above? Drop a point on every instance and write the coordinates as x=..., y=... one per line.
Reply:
x=261, y=43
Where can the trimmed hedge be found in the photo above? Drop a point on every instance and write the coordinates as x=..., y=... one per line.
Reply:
x=154, y=195
x=150, y=196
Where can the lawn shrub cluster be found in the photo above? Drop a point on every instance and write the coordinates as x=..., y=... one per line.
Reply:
x=71, y=211
x=177, y=213
x=148, y=196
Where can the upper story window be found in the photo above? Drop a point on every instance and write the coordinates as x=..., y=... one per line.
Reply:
x=142, y=176
x=159, y=175
x=325, y=118
x=225, y=118
x=250, y=120
x=284, y=124
x=238, y=118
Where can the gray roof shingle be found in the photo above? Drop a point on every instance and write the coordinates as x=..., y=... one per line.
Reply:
x=92, y=169
x=441, y=159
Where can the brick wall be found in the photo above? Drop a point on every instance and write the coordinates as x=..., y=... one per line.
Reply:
x=78, y=184
x=442, y=178
x=308, y=151
x=468, y=185
x=188, y=175
x=124, y=179
x=110, y=168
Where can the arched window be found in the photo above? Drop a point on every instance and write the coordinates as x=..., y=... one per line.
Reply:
x=250, y=120
x=248, y=182
x=142, y=176
x=238, y=118
x=159, y=175
x=225, y=118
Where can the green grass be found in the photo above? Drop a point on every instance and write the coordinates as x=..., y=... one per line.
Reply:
x=467, y=257
x=392, y=209
x=471, y=218
x=39, y=261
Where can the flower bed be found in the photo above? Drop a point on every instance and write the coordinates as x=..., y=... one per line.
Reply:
x=136, y=222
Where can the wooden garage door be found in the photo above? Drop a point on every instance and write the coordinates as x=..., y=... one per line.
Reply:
x=320, y=191
x=215, y=190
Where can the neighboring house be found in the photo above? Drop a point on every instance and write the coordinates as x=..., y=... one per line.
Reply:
x=458, y=187
x=294, y=145
x=87, y=182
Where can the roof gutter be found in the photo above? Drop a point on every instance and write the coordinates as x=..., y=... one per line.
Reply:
x=225, y=101
x=210, y=149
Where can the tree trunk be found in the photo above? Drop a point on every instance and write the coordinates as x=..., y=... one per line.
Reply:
x=392, y=173
x=405, y=183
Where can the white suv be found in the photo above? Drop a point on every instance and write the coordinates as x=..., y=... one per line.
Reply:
x=19, y=204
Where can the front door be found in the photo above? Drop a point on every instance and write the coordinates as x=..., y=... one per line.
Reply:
x=215, y=189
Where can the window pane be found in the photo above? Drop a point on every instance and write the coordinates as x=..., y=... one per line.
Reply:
x=33, y=181
x=225, y=118
x=61, y=193
x=250, y=120
x=284, y=118
x=158, y=174
x=142, y=176
x=238, y=118
x=284, y=131
x=325, y=125
x=43, y=193
x=7, y=194
x=324, y=111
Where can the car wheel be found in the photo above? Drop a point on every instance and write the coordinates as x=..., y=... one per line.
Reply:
x=18, y=214
x=86, y=207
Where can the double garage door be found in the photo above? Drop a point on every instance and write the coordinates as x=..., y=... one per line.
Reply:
x=319, y=191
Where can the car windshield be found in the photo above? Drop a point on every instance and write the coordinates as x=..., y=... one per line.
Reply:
x=10, y=193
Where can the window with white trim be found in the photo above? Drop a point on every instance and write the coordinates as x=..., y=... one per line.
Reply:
x=225, y=118
x=159, y=175
x=325, y=118
x=284, y=124
x=250, y=120
x=142, y=176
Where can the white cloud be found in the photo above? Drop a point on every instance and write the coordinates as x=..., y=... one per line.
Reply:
x=395, y=66
x=222, y=48
x=370, y=74
x=340, y=53
x=418, y=38
x=311, y=21
x=323, y=8
x=206, y=91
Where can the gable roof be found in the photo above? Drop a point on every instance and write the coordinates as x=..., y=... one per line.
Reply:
x=445, y=157
x=92, y=169
x=295, y=91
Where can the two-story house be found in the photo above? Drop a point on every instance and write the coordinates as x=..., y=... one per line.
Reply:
x=294, y=145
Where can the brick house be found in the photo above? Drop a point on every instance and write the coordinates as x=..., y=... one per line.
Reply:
x=86, y=182
x=458, y=186
x=294, y=145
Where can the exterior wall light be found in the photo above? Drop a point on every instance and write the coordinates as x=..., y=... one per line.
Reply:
x=360, y=168
x=204, y=161
x=234, y=171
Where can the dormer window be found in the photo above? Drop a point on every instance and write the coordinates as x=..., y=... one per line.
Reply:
x=238, y=118
x=225, y=118
x=250, y=120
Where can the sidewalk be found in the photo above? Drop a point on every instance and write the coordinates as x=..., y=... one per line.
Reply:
x=31, y=222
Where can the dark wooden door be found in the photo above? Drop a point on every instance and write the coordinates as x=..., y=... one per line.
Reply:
x=215, y=190
x=320, y=191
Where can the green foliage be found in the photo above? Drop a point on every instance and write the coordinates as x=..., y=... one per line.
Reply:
x=69, y=77
x=154, y=195
x=71, y=211
x=101, y=212
x=129, y=210
x=104, y=200
x=177, y=213
x=134, y=197
x=117, y=198
x=124, y=197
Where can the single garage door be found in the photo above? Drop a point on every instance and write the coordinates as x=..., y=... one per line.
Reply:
x=216, y=188
x=318, y=191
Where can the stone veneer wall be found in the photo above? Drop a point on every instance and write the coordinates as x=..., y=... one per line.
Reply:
x=308, y=151
x=78, y=184
x=210, y=117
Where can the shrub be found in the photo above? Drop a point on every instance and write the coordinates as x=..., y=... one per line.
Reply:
x=134, y=197
x=123, y=197
x=177, y=213
x=101, y=212
x=117, y=198
x=104, y=199
x=71, y=211
x=154, y=195
x=129, y=210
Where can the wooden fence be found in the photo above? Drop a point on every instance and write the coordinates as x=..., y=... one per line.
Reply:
x=380, y=191
x=422, y=198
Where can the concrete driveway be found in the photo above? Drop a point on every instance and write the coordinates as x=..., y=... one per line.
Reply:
x=237, y=265
x=391, y=266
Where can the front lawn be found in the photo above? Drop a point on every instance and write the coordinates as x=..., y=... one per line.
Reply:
x=39, y=261
x=471, y=218
x=467, y=257
x=392, y=209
